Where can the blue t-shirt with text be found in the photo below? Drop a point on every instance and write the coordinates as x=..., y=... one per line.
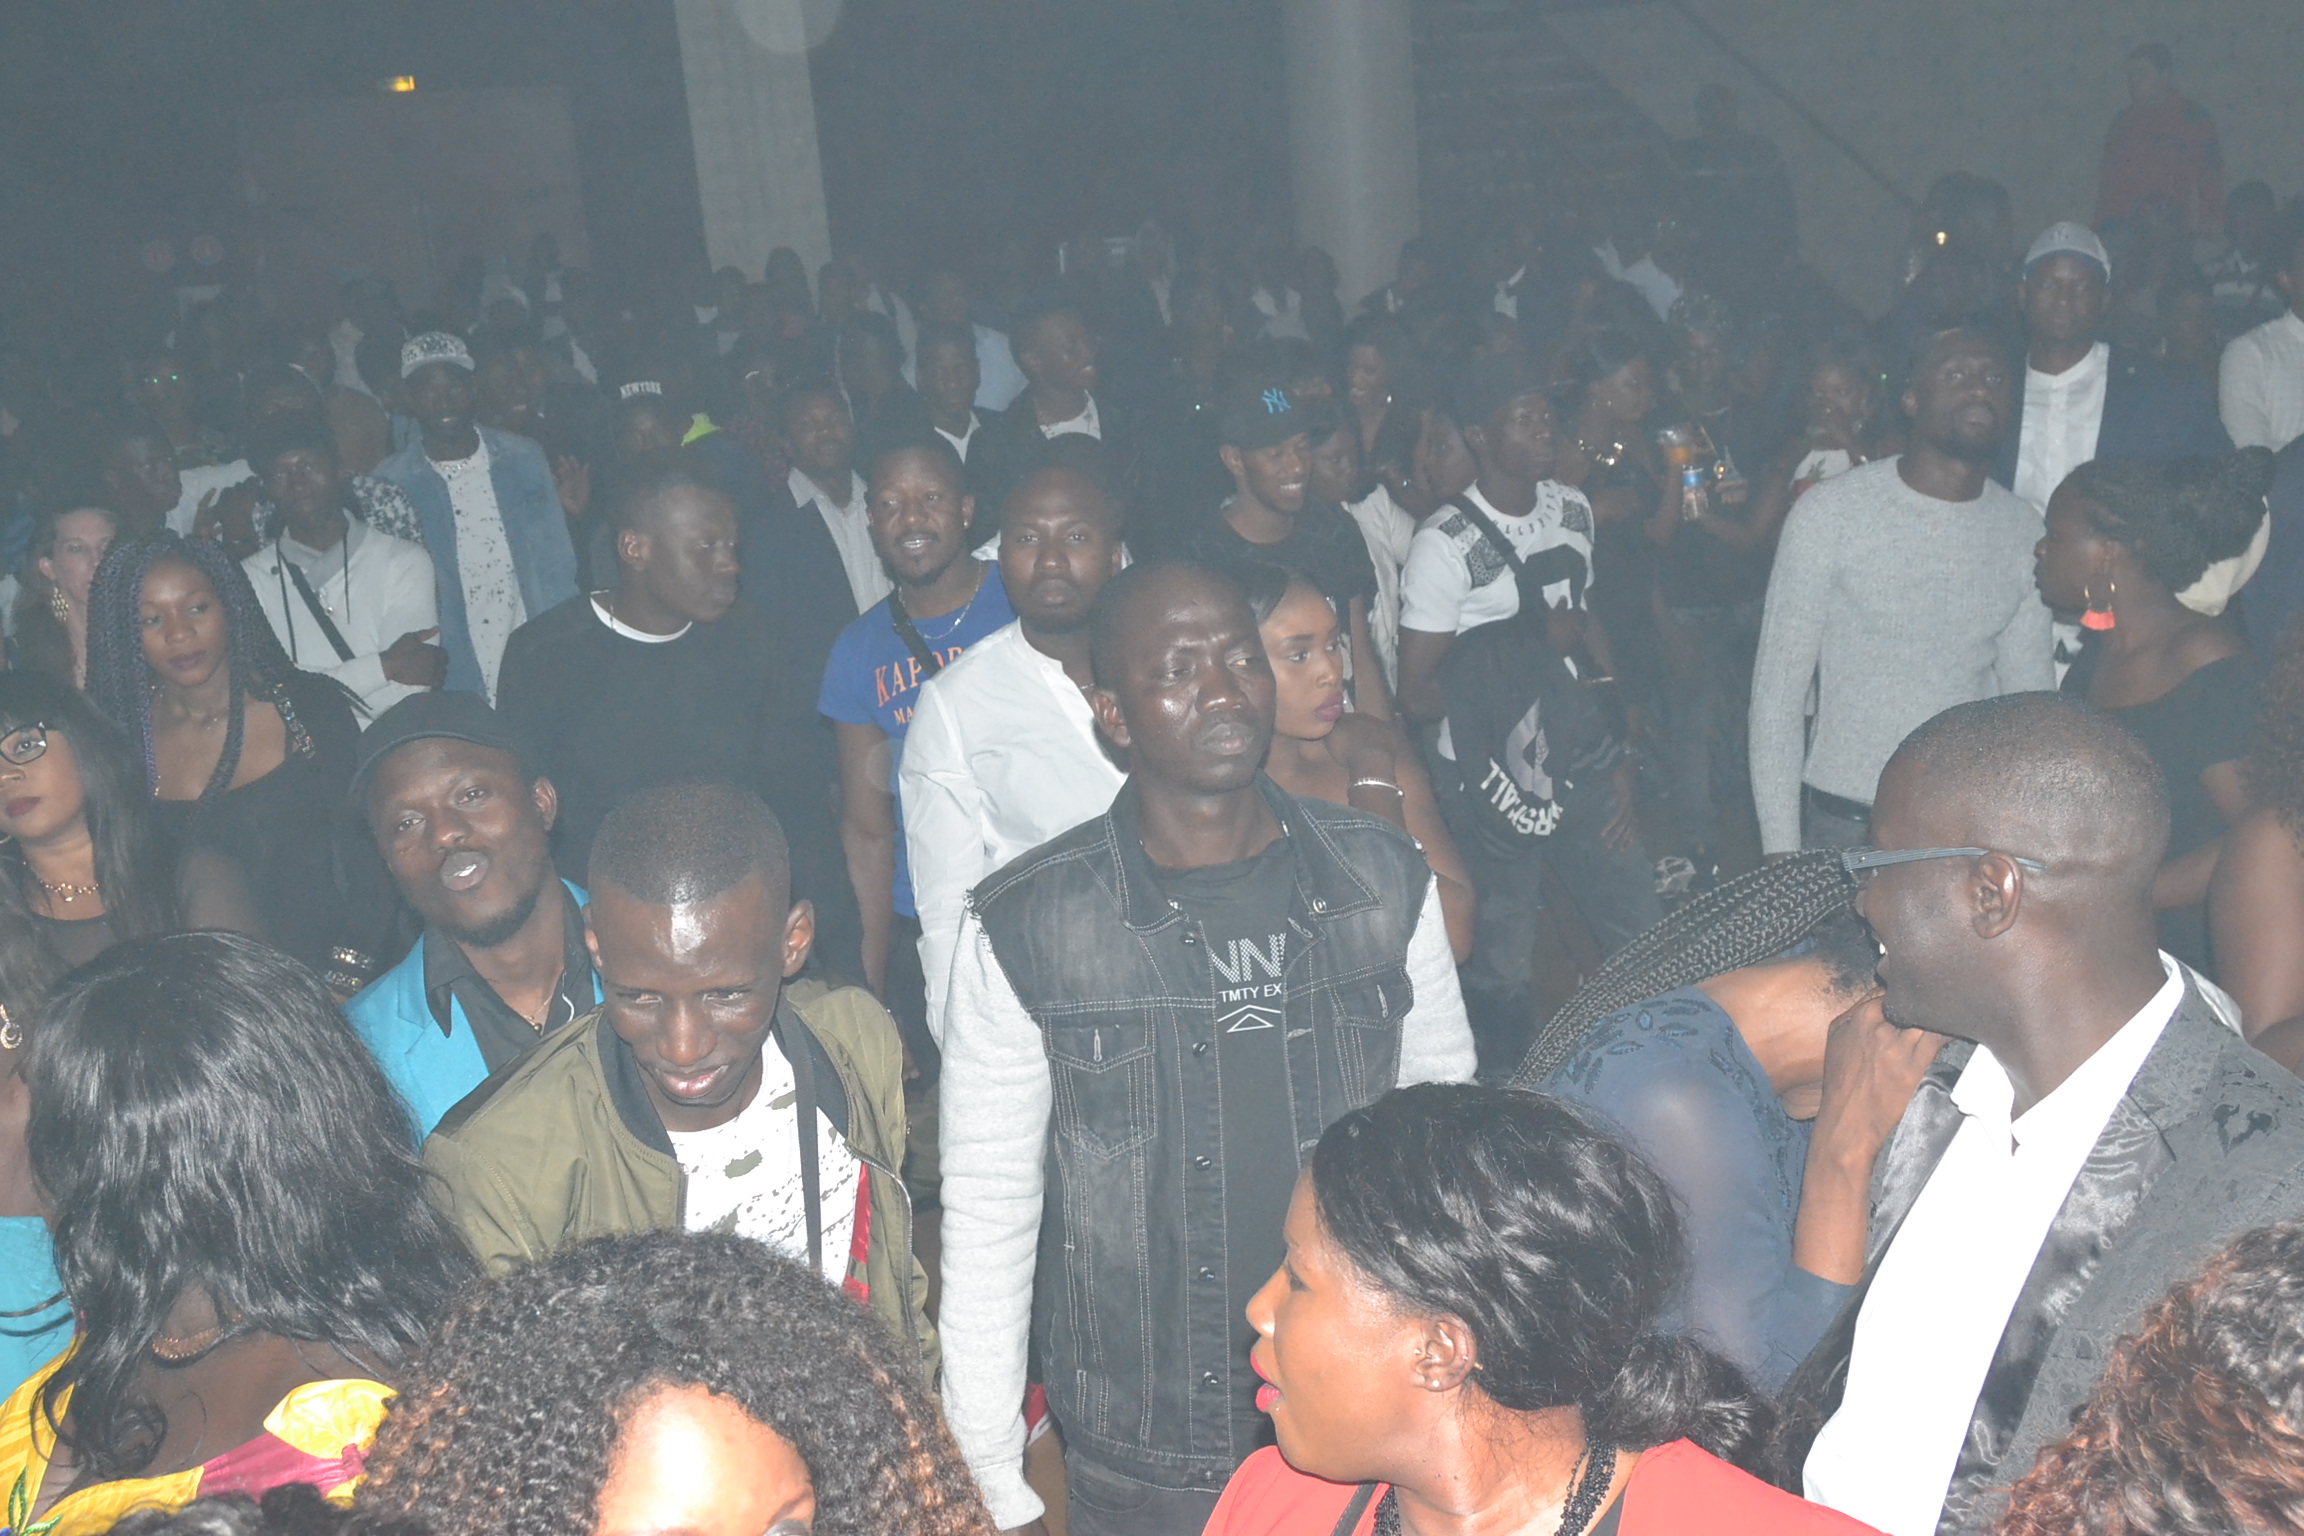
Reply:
x=874, y=679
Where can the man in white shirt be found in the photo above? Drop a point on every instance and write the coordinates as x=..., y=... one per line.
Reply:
x=1003, y=754
x=2067, y=281
x=822, y=440
x=2105, y=1133
x=344, y=598
x=2260, y=388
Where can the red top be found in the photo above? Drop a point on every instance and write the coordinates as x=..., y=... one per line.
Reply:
x=1674, y=1490
x=2169, y=147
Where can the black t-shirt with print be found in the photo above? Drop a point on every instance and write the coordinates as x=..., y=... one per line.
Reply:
x=1242, y=913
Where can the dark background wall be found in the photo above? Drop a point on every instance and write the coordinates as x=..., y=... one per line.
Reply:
x=120, y=120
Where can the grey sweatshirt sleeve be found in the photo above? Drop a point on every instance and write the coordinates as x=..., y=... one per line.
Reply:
x=1436, y=1037
x=1791, y=641
x=2026, y=649
x=996, y=1101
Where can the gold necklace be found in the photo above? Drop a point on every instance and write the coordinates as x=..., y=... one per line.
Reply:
x=65, y=891
x=176, y=1351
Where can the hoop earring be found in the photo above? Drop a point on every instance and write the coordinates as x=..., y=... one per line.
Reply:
x=2100, y=619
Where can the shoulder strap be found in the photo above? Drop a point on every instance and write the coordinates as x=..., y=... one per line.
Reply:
x=804, y=1110
x=1496, y=540
x=1354, y=1510
x=909, y=633
x=312, y=606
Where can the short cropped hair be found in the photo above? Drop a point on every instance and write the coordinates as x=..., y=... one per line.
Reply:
x=679, y=843
x=1106, y=621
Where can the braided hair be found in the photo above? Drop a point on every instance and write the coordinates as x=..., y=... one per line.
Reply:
x=120, y=680
x=1752, y=919
x=508, y=1424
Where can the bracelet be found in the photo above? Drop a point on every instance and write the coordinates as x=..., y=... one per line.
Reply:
x=1377, y=784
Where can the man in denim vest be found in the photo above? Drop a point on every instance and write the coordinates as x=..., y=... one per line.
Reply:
x=1151, y=1020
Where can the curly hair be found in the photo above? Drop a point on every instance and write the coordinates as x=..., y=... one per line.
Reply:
x=2197, y=1426
x=120, y=679
x=2180, y=517
x=1557, y=1245
x=1755, y=918
x=2276, y=762
x=507, y=1424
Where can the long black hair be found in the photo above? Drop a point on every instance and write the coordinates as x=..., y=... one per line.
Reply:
x=508, y=1422
x=135, y=866
x=1554, y=1242
x=1757, y=917
x=120, y=679
x=203, y=1118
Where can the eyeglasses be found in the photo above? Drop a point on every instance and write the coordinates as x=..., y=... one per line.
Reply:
x=1860, y=862
x=24, y=745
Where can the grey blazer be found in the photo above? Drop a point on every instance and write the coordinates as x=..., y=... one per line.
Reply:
x=2207, y=1143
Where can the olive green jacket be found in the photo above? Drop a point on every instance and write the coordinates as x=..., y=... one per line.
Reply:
x=565, y=1145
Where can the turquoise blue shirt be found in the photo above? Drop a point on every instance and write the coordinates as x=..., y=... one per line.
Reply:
x=35, y=1324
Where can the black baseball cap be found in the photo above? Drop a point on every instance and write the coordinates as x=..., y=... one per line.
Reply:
x=424, y=716
x=1258, y=412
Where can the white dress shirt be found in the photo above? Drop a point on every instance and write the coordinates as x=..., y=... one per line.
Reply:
x=2260, y=387
x=1001, y=756
x=199, y=483
x=1943, y=1293
x=868, y=580
x=373, y=587
x=493, y=606
x=996, y=1099
x=961, y=442
x=2062, y=414
x=1086, y=424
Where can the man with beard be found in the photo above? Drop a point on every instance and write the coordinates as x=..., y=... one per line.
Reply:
x=671, y=677
x=1900, y=588
x=464, y=822
x=1203, y=979
x=944, y=602
x=1002, y=752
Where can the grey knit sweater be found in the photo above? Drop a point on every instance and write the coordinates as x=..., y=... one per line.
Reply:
x=1899, y=606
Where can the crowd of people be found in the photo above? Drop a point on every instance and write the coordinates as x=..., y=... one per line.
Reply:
x=1093, y=891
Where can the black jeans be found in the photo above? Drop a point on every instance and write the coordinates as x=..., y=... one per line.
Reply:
x=1613, y=888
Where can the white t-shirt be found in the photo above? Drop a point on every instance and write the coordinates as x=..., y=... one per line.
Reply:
x=493, y=606
x=1455, y=580
x=744, y=1177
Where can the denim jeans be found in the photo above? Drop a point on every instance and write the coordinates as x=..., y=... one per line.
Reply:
x=1100, y=1501
x=1707, y=692
x=1613, y=889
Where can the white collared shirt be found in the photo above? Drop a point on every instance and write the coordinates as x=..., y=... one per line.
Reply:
x=2062, y=415
x=961, y=442
x=1002, y=755
x=2260, y=387
x=1943, y=1293
x=373, y=587
x=1086, y=424
x=868, y=580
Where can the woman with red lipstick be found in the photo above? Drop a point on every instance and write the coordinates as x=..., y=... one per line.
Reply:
x=82, y=866
x=1323, y=752
x=1466, y=1335
x=243, y=752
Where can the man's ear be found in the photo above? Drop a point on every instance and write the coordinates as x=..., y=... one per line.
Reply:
x=1446, y=1356
x=1475, y=438
x=1998, y=894
x=547, y=801
x=591, y=941
x=632, y=548
x=1234, y=465
x=1105, y=704
x=967, y=511
x=799, y=936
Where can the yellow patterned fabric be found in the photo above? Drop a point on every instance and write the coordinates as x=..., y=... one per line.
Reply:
x=317, y=1434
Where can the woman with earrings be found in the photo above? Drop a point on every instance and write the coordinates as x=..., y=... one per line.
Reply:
x=1468, y=1333
x=51, y=618
x=83, y=865
x=2149, y=555
x=241, y=1229
x=242, y=752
